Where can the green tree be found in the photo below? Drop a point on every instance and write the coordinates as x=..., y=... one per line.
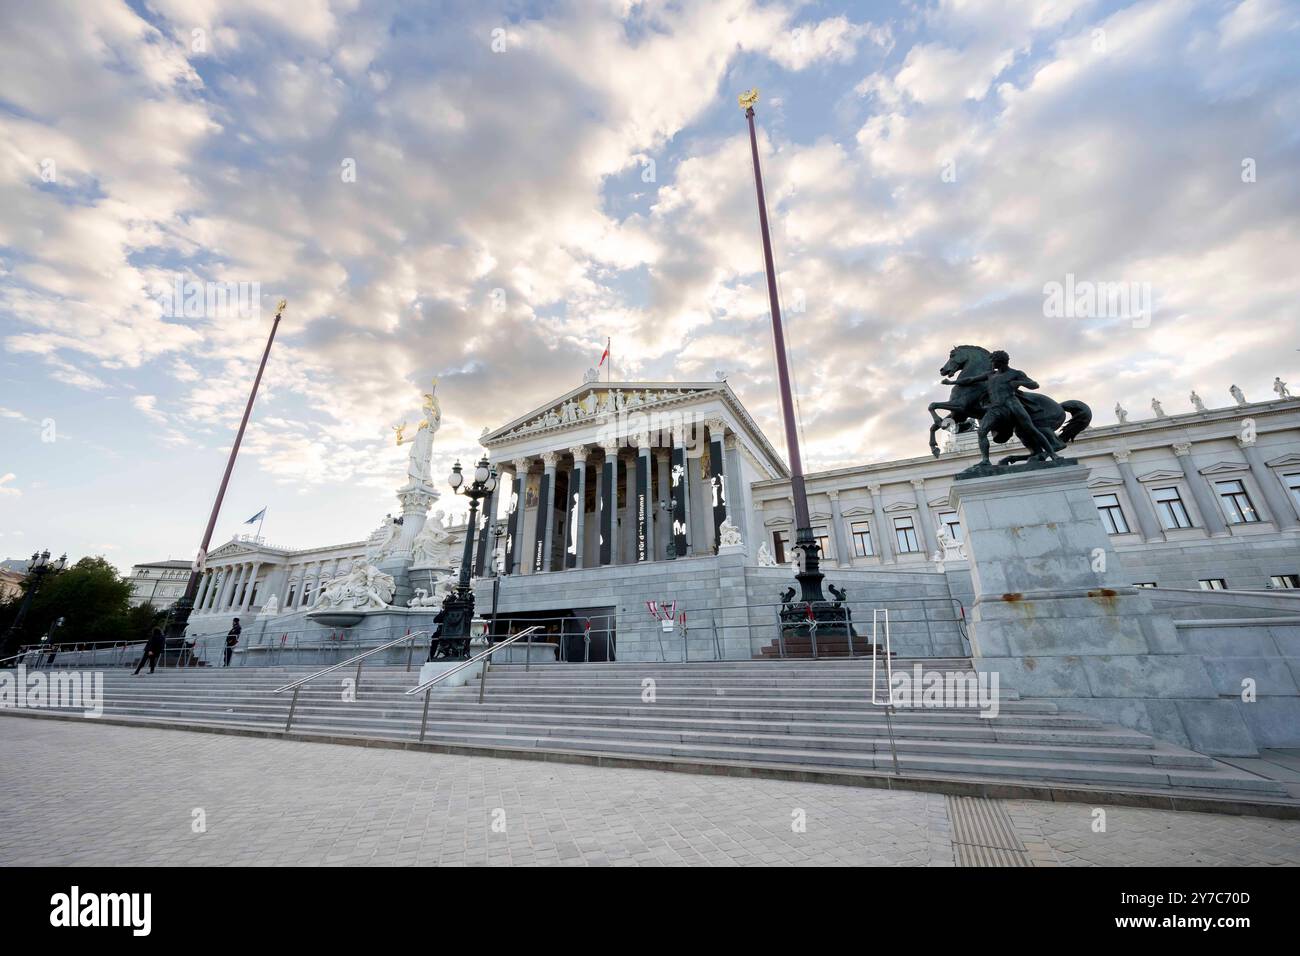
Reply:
x=92, y=599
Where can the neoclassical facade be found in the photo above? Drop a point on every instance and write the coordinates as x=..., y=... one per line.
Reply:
x=1208, y=498
x=618, y=493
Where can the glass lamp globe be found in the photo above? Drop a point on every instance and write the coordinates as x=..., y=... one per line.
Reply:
x=455, y=479
x=481, y=473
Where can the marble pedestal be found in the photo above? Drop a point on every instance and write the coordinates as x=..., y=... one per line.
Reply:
x=431, y=669
x=1055, y=617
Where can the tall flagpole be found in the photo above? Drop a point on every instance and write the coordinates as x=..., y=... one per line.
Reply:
x=809, y=576
x=180, y=611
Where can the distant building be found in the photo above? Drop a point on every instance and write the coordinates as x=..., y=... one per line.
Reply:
x=159, y=583
x=12, y=575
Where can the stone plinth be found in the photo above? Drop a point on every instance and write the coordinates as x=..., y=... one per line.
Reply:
x=1055, y=616
x=431, y=669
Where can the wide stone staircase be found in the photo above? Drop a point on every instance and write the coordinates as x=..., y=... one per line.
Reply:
x=812, y=719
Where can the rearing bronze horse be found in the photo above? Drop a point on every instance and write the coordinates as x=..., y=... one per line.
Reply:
x=967, y=404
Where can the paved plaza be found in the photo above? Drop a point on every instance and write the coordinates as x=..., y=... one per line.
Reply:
x=104, y=795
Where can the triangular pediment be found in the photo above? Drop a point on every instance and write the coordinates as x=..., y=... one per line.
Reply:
x=595, y=401
x=857, y=511
x=230, y=549
x=780, y=522
x=1223, y=468
x=1105, y=483
x=941, y=502
x=900, y=506
x=1284, y=461
x=1161, y=474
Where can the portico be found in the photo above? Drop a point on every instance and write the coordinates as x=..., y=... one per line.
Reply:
x=626, y=473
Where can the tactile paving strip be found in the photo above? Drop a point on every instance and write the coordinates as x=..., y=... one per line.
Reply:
x=983, y=834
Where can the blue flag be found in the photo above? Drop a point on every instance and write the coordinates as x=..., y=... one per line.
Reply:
x=257, y=517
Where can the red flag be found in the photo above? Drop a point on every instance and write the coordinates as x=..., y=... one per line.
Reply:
x=604, y=355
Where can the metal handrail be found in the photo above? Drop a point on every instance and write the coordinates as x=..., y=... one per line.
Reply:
x=474, y=660
x=358, y=659
x=888, y=702
x=351, y=660
x=427, y=686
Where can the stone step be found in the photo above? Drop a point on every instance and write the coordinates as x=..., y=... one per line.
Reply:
x=806, y=715
x=719, y=708
x=904, y=725
x=776, y=746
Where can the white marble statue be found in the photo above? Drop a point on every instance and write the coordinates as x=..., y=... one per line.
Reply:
x=432, y=546
x=729, y=535
x=1279, y=386
x=1120, y=414
x=383, y=538
x=272, y=606
x=1238, y=395
x=417, y=463
x=365, y=586
x=1196, y=402
x=1158, y=408
x=948, y=550
x=765, y=559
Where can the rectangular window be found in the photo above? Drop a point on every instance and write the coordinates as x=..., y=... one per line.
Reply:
x=1236, y=503
x=861, y=539
x=1287, y=582
x=1213, y=584
x=1293, y=486
x=288, y=602
x=1112, y=515
x=823, y=542
x=1144, y=584
x=778, y=546
x=905, y=532
x=949, y=521
x=1169, y=505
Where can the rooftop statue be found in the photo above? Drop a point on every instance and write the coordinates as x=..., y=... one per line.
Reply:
x=987, y=390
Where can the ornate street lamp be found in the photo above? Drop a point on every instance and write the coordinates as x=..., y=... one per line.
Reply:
x=451, y=640
x=37, y=568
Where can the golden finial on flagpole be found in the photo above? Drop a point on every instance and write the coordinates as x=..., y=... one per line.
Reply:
x=747, y=100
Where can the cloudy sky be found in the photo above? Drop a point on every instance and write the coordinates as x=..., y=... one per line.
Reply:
x=484, y=192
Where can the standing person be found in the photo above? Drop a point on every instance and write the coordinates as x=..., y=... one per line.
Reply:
x=232, y=638
x=153, y=649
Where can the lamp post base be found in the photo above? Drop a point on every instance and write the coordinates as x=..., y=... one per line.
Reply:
x=451, y=642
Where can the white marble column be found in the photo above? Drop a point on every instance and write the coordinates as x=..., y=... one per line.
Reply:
x=663, y=509
x=644, y=552
x=611, y=499
x=236, y=590
x=577, y=531
x=1201, y=491
x=884, y=530
x=250, y=591
x=519, y=529
x=1284, y=516
x=204, y=584
x=1146, y=517
x=927, y=520
x=842, y=556
x=629, y=501
x=549, y=461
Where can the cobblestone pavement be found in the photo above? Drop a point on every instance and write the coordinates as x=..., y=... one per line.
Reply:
x=1062, y=834
x=105, y=795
